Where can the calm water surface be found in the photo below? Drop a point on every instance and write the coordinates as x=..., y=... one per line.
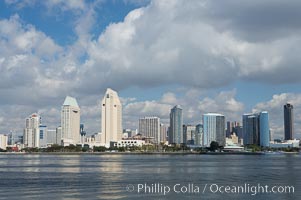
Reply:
x=110, y=176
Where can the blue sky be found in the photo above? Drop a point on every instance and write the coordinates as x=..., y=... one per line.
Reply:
x=207, y=56
x=59, y=24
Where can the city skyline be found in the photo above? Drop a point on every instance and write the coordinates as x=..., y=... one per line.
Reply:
x=71, y=103
x=255, y=129
x=202, y=60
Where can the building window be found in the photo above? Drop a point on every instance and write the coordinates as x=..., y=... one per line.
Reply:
x=41, y=134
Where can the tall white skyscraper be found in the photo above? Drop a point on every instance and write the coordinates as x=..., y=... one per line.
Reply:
x=111, y=118
x=163, y=133
x=150, y=127
x=3, y=141
x=31, y=135
x=70, y=122
x=214, y=129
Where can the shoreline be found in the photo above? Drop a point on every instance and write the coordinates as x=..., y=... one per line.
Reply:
x=146, y=153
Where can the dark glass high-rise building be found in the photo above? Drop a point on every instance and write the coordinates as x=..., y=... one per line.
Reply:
x=175, y=133
x=288, y=121
x=264, y=129
x=229, y=129
x=256, y=129
x=251, y=129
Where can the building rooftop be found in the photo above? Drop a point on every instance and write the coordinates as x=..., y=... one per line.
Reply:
x=249, y=114
x=214, y=114
x=111, y=92
x=177, y=107
x=70, y=101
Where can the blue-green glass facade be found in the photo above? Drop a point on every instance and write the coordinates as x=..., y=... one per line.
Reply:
x=175, y=134
x=264, y=129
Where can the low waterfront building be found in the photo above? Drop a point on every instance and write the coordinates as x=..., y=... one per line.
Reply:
x=93, y=140
x=233, y=143
x=232, y=140
x=125, y=135
x=233, y=148
x=285, y=144
x=130, y=143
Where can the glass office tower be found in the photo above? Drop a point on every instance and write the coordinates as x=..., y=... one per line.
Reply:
x=288, y=121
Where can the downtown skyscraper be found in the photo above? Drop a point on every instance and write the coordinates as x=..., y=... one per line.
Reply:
x=111, y=118
x=264, y=129
x=229, y=129
x=199, y=135
x=70, y=122
x=175, y=133
x=250, y=123
x=288, y=121
x=214, y=129
x=31, y=135
x=189, y=134
x=256, y=129
x=150, y=128
x=163, y=133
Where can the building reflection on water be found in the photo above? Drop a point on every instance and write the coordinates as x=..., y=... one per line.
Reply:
x=111, y=174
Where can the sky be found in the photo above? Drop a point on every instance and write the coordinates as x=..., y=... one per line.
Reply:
x=207, y=56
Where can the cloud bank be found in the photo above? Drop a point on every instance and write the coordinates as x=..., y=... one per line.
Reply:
x=199, y=45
